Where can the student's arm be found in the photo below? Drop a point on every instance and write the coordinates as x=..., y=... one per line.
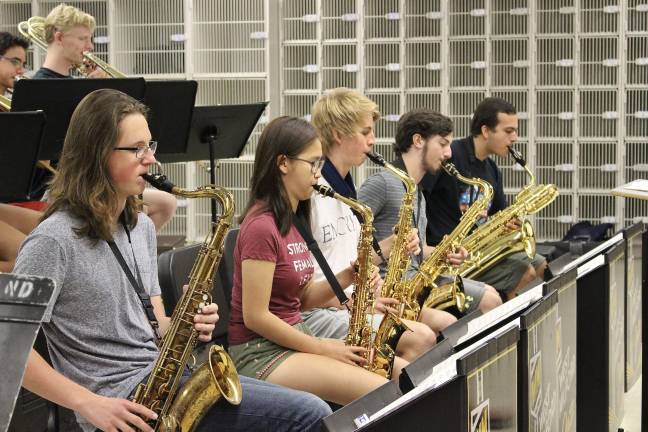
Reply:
x=257, y=286
x=319, y=293
x=105, y=413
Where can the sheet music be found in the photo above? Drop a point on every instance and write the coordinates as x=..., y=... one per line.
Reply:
x=442, y=372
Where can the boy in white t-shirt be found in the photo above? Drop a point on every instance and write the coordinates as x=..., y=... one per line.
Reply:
x=345, y=121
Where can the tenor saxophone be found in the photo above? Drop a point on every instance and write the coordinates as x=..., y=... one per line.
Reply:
x=392, y=327
x=360, y=330
x=493, y=241
x=181, y=409
x=423, y=287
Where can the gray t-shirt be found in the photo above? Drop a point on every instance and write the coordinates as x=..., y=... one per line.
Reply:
x=97, y=332
x=383, y=193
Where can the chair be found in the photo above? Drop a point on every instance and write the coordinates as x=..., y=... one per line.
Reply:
x=173, y=272
x=226, y=267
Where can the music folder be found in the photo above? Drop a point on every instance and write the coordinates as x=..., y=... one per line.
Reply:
x=21, y=140
x=58, y=98
x=23, y=300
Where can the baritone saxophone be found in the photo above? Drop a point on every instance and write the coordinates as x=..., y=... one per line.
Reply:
x=182, y=408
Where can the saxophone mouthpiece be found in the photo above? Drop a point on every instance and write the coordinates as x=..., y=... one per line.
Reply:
x=324, y=190
x=450, y=168
x=517, y=156
x=376, y=158
x=159, y=181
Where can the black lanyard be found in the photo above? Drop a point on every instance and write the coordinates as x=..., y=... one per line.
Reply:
x=145, y=299
x=306, y=234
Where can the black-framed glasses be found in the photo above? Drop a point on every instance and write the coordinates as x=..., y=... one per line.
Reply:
x=316, y=165
x=141, y=150
x=16, y=62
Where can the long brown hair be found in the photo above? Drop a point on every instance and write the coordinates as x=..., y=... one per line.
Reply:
x=287, y=136
x=82, y=184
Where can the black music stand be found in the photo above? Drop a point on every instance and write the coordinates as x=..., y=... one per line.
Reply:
x=171, y=105
x=59, y=98
x=22, y=133
x=23, y=300
x=217, y=132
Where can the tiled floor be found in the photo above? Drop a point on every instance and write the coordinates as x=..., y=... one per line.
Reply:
x=632, y=418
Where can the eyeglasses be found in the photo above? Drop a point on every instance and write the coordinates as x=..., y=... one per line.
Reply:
x=16, y=62
x=141, y=150
x=315, y=165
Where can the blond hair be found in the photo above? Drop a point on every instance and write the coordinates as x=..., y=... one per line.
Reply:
x=341, y=109
x=63, y=18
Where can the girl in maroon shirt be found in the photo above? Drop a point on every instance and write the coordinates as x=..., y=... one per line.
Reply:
x=272, y=276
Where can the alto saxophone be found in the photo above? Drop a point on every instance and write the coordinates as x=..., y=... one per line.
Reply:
x=493, y=241
x=360, y=329
x=217, y=377
x=423, y=286
x=392, y=327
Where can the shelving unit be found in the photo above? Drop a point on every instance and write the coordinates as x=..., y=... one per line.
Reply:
x=575, y=69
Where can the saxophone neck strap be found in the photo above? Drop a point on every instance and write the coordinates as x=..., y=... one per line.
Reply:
x=137, y=284
x=319, y=257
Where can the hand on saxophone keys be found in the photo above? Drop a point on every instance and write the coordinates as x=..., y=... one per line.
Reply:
x=513, y=224
x=205, y=319
x=457, y=257
x=336, y=349
x=107, y=413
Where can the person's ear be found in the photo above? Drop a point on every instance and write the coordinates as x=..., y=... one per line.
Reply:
x=417, y=140
x=282, y=164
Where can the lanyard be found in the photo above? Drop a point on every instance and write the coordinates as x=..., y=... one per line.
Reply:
x=145, y=299
x=319, y=257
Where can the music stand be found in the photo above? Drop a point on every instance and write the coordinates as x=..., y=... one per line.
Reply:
x=23, y=300
x=58, y=99
x=22, y=133
x=171, y=105
x=229, y=126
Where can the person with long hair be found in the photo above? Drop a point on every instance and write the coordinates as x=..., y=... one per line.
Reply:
x=101, y=343
x=273, y=271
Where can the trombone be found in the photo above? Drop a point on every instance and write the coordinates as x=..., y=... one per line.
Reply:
x=34, y=30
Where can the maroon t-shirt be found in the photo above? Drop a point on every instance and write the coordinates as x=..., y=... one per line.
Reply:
x=260, y=239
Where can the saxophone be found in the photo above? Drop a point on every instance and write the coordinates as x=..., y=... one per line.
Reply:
x=183, y=412
x=360, y=329
x=422, y=287
x=493, y=241
x=392, y=327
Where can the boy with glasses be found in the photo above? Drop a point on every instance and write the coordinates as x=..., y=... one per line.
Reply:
x=13, y=60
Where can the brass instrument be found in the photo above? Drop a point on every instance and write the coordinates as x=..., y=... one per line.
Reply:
x=423, y=286
x=392, y=327
x=34, y=30
x=5, y=104
x=360, y=329
x=218, y=377
x=493, y=241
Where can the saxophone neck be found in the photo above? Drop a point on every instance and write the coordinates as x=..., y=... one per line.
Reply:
x=473, y=181
x=363, y=210
x=515, y=154
x=407, y=180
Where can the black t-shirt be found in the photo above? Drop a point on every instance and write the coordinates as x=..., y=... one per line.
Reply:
x=446, y=196
x=41, y=175
x=45, y=73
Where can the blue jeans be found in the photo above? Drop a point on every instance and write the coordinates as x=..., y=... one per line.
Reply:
x=267, y=407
